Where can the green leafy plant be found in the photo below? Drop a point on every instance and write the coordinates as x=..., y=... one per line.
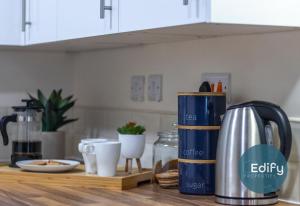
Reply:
x=131, y=128
x=54, y=109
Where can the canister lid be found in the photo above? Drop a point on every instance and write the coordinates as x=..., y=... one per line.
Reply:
x=200, y=94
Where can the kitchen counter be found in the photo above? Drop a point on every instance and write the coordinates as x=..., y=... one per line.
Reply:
x=146, y=195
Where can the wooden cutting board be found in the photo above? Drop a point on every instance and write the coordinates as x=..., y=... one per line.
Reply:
x=76, y=177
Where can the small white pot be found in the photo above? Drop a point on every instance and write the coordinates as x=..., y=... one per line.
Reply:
x=53, y=145
x=132, y=146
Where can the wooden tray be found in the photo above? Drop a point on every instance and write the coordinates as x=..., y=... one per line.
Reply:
x=76, y=177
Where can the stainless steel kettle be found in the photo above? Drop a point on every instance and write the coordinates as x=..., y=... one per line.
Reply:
x=244, y=126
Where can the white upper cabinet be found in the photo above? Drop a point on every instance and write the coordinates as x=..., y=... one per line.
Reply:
x=11, y=22
x=40, y=21
x=146, y=14
x=26, y=22
x=256, y=12
x=82, y=18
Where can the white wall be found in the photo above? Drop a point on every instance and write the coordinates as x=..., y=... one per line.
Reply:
x=22, y=72
x=263, y=67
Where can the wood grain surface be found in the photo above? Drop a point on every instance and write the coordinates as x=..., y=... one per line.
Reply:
x=15, y=194
x=76, y=177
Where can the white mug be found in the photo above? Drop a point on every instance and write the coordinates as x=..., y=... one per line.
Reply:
x=107, y=155
x=89, y=159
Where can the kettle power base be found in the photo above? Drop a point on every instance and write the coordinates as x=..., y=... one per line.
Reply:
x=76, y=178
x=247, y=201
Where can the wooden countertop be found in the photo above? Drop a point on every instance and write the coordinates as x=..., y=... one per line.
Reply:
x=147, y=195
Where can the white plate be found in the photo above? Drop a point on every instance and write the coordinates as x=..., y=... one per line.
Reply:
x=27, y=165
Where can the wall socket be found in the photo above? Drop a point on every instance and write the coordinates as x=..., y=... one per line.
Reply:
x=137, y=88
x=155, y=87
x=225, y=78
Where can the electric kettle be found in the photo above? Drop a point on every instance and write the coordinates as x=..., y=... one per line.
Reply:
x=244, y=126
x=26, y=143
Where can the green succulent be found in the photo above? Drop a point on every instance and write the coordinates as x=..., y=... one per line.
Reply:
x=131, y=128
x=54, y=109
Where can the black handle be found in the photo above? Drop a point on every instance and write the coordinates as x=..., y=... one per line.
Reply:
x=271, y=112
x=3, y=125
x=205, y=87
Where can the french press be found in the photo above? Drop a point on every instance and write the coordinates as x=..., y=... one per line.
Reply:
x=26, y=144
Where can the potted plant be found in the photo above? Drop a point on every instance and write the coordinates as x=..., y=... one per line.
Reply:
x=53, y=118
x=132, y=140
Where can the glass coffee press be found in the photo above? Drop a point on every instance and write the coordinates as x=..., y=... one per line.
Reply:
x=26, y=143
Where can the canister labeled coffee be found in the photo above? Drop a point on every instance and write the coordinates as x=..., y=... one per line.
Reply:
x=198, y=144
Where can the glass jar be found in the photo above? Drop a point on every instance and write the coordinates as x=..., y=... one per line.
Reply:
x=165, y=159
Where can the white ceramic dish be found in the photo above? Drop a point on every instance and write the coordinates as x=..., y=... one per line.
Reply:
x=28, y=166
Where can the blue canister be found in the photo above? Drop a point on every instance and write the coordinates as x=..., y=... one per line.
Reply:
x=199, y=120
x=197, y=178
x=197, y=157
x=198, y=144
x=201, y=108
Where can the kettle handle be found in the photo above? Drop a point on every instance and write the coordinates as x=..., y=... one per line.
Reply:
x=3, y=125
x=272, y=112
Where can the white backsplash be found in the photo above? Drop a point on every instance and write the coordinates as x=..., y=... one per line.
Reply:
x=103, y=122
x=291, y=187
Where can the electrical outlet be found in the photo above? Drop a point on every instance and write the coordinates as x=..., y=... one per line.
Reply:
x=155, y=87
x=225, y=78
x=137, y=88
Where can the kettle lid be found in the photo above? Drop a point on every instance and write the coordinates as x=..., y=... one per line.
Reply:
x=272, y=112
x=252, y=103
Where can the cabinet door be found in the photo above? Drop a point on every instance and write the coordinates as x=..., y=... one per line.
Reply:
x=40, y=21
x=11, y=22
x=257, y=12
x=145, y=14
x=81, y=18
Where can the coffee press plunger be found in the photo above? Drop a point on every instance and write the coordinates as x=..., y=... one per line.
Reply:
x=26, y=143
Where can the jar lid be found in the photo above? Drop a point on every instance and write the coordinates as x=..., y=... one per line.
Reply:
x=168, y=134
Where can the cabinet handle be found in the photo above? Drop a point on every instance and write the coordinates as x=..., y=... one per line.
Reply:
x=23, y=15
x=24, y=22
x=103, y=8
x=185, y=2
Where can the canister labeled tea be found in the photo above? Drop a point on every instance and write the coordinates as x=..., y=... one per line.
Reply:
x=200, y=108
